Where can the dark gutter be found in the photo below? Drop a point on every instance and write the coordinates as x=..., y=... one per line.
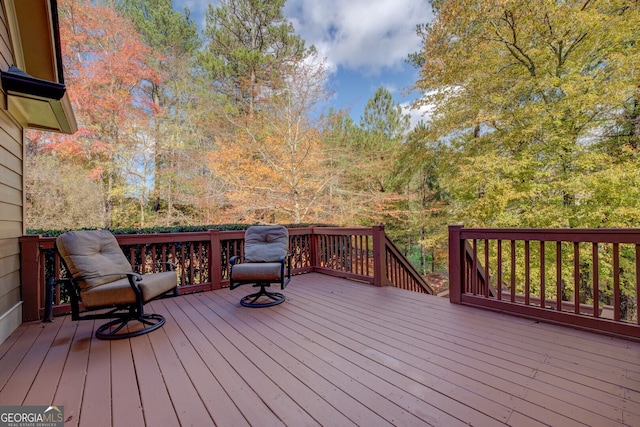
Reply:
x=56, y=37
x=15, y=81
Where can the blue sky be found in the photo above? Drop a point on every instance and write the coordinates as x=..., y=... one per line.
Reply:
x=365, y=43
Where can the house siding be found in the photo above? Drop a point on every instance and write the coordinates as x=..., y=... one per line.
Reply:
x=11, y=203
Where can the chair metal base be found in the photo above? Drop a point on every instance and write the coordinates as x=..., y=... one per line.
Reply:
x=262, y=298
x=116, y=329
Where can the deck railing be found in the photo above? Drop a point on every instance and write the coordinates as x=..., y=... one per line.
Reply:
x=364, y=254
x=586, y=278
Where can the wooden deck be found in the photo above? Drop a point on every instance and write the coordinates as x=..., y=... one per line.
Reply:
x=336, y=353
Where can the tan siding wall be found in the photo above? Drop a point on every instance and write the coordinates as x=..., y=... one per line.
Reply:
x=5, y=50
x=8, y=162
x=11, y=205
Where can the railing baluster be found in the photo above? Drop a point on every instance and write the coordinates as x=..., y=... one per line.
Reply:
x=527, y=274
x=559, y=276
x=513, y=271
x=596, y=287
x=201, y=263
x=499, y=269
x=352, y=240
x=543, y=290
x=191, y=266
x=154, y=264
x=183, y=268
x=474, y=272
x=637, y=281
x=576, y=277
x=367, y=256
x=143, y=258
x=361, y=259
x=56, y=274
x=487, y=274
x=326, y=251
x=616, y=283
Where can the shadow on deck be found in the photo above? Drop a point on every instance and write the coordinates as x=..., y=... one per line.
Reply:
x=336, y=353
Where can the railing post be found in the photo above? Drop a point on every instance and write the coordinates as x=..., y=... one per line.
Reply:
x=32, y=298
x=215, y=259
x=379, y=256
x=456, y=259
x=314, y=249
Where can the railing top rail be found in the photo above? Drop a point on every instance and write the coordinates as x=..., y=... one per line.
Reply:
x=193, y=236
x=595, y=235
x=342, y=231
x=132, y=239
x=232, y=234
x=128, y=239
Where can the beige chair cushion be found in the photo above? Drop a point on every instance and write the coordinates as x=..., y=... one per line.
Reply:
x=265, y=243
x=93, y=253
x=97, y=253
x=120, y=292
x=263, y=271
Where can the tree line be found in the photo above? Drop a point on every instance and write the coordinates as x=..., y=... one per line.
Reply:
x=533, y=121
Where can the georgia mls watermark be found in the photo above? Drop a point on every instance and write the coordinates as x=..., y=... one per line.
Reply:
x=31, y=416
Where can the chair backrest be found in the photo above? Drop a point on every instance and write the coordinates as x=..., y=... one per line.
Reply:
x=93, y=253
x=265, y=243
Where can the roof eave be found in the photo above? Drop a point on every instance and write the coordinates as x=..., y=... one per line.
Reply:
x=34, y=86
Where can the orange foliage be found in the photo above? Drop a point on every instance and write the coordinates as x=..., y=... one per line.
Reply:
x=106, y=65
x=273, y=178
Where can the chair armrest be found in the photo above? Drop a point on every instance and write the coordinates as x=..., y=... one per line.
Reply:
x=286, y=263
x=73, y=281
x=234, y=259
x=136, y=276
x=286, y=257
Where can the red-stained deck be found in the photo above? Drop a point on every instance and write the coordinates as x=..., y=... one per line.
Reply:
x=336, y=353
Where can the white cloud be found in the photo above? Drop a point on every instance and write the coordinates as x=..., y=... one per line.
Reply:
x=366, y=35
x=364, y=42
x=422, y=113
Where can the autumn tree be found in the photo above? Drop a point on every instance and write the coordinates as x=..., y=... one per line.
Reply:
x=59, y=195
x=106, y=63
x=274, y=166
x=534, y=111
x=181, y=99
x=270, y=84
x=526, y=94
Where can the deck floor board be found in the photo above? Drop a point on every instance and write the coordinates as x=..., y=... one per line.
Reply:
x=289, y=361
x=336, y=353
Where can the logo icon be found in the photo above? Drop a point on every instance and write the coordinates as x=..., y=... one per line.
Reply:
x=32, y=416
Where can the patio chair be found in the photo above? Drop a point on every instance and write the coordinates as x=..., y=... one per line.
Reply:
x=102, y=279
x=266, y=261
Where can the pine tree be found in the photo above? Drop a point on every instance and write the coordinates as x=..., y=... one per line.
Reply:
x=250, y=46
